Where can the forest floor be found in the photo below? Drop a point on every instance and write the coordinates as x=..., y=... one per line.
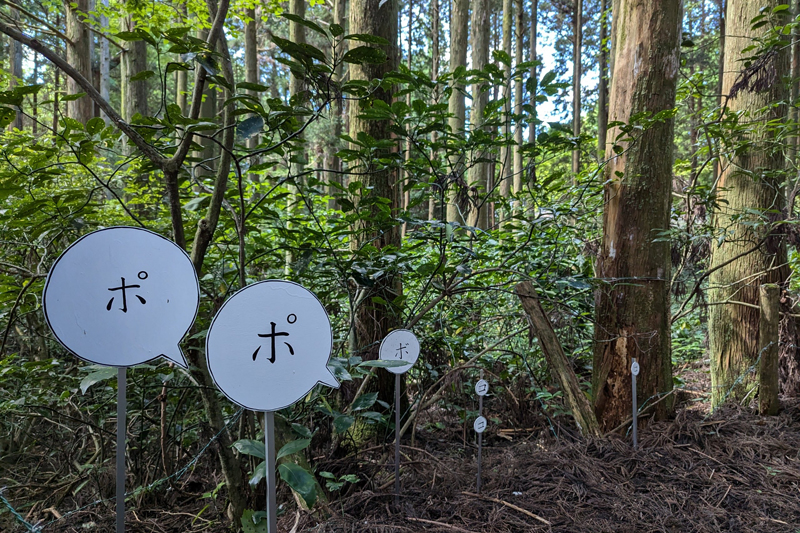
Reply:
x=730, y=471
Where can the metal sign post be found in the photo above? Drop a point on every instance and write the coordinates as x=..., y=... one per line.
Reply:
x=122, y=401
x=481, y=388
x=634, y=373
x=397, y=439
x=269, y=452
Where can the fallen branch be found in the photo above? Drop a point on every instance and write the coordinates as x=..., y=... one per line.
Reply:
x=509, y=505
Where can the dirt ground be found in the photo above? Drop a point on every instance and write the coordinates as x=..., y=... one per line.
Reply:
x=730, y=471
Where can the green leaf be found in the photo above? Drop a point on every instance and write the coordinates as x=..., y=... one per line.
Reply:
x=366, y=38
x=248, y=86
x=95, y=125
x=208, y=63
x=301, y=481
x=365, y=54
x=377, y=363
x=143, y=75
x=250, y=447
x=336, y=30
x=99, y=375
x=303, y=22
x=254, y=521
x=7, y=116
x=258, y=474
x=293, y=447
x=71, y=97
x=365, y=401
x=342, y=423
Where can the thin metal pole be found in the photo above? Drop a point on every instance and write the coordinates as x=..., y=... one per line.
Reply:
x=269, y=450
x=480, y=442
x=635, y=408
x=122, y=406
x=397, y=439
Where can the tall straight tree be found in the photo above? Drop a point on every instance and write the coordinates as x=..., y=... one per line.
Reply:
x=459, y=23
x=479, y=173
x=750, y=201
x=332, y=162
x=577, y=47
x=602, y=83
x=15, y=59
x=505, y=153
x=297, y=34
x=519, y=47
x=633, y=267
x=434, y=14
x=77, y=45
x=377, y=314
x=133, y=62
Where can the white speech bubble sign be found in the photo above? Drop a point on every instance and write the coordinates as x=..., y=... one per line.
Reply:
x=269, y=344
x=122, y=296
x=481, y=387
x=480, y=424
x=399, y=345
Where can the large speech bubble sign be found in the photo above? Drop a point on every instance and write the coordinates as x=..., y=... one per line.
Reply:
x=269, y=344
x=399, y=345
x=121, y=296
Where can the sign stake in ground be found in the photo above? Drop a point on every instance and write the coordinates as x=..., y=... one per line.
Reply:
x=481, y=388
x=118, y=297
x=400, y=345
x=634, y=373
x=122, y=403
x=267, y=347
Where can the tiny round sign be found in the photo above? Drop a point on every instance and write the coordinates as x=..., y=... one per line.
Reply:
x=399, y=345
x=481, y=387
x=635, y=368
x=480, y=424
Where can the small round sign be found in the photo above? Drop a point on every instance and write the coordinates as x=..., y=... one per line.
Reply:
x=635, y=368
x=399, y=345
x=480, y=424
x=481, y=387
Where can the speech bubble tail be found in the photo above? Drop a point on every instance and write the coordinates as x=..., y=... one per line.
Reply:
x=177, y=357
x=328, y=379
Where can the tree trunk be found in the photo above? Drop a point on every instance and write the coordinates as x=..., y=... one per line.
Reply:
x=557, y=361
x=722, y=5
x=768, y=326
x=479, y=173
x=15, y=59
x=337, y=110
x=458, y=58
x=297, y=34
x=602, y=84
x=78, y=57
x=435, y=192
x=105, y=58
x=750, y=184
x=534, y=83
x=519, y=36
x=134, y=61
x=505, y=153
x=405, y=185
x=377, y=314
x=252, y=74
x=632, y=304
x=577, y=45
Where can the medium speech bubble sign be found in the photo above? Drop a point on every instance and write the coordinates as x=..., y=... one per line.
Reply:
x=122, y=296
x=269, y=345
x=399, y=345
